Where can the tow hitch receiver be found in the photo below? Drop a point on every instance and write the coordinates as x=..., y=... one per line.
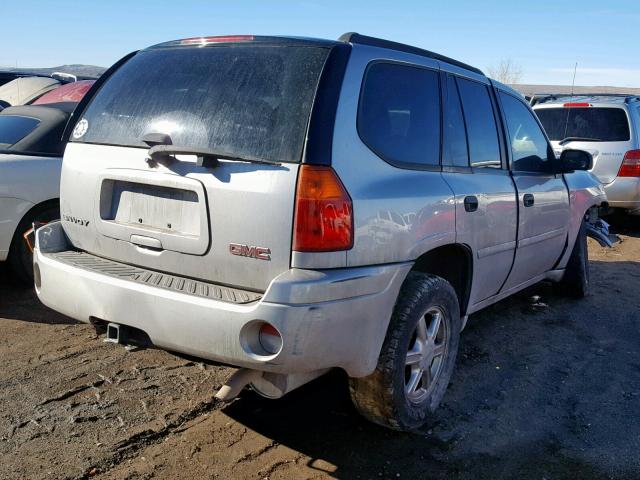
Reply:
x=127, y=336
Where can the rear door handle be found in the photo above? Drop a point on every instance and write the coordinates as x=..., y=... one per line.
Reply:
x=528, y=200
x=471, y=203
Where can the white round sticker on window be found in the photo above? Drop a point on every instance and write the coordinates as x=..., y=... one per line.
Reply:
x=81, y=128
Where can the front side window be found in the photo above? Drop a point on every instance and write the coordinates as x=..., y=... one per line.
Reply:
x=484, y=149
x=14, y=128
x=529, y=147
x=399, y=114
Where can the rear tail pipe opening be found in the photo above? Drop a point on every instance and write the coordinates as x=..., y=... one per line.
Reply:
x=266, y=384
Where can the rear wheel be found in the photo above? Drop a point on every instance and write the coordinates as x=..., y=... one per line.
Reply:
x=417, y=357
x=20, y=254
x=575, y=282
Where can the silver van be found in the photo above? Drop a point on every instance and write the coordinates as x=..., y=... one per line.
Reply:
x=607, y=126
x=291, y=205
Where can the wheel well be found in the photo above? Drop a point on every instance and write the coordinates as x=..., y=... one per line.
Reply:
x=454, y=264
x=52, y=203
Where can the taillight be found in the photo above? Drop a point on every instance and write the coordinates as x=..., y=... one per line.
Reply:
x=631, y=164
x=323, y=219
x=576, y=104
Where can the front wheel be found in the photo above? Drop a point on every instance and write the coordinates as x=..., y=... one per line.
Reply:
x=575, y=282
x=417, y=357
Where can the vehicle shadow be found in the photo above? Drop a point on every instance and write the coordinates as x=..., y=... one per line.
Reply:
x=527, y=398
x=624, y=224
x=21, y=303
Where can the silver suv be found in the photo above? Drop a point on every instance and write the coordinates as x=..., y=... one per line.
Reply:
x=291, y=205
x=607, y=126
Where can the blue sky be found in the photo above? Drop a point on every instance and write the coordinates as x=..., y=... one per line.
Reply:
x=545, y=37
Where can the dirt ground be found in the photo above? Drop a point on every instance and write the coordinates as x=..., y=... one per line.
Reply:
x=544, y=388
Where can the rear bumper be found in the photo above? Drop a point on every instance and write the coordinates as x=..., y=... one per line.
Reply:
x=329, y=318
x=624, y=192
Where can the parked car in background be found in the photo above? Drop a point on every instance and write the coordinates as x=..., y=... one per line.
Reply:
x=607, y=126
x=24, y=90
x=71, y=92
x=30, y=160
x=293, y=205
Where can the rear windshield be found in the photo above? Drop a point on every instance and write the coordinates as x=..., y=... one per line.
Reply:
x=593, y=123
x=245, y=101
x=14, y=128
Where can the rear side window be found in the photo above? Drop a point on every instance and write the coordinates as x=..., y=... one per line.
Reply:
x=14, y=128
x=484, y=149
x=399, y=114
x=455, y=152
x=529, y=147
x=250, y=101
x=596, y=124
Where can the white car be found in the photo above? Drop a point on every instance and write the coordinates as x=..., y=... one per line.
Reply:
x=30, y=161
x=24, y=90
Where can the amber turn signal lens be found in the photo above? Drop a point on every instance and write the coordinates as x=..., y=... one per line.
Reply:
x=323, y=219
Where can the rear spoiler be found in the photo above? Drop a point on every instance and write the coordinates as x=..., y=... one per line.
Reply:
x=545, y=97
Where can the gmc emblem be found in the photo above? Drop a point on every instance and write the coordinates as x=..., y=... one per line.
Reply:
x=259, y=253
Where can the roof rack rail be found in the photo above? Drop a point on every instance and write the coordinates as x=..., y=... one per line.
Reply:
x=352, y=37
x=544, y=97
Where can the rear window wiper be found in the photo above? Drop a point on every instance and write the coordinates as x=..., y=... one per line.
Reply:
x=205, y=157
x=564, y=141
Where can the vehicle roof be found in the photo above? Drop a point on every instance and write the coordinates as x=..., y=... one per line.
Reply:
x=24, y=89
x=507, y=88
x=206, y=40
x=70, y=92
x=595, y=99
x=351, y=38
x=356, y=38
x=46, y=137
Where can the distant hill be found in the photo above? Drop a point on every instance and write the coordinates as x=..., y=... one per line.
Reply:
x=75, y=69
x=526, y=89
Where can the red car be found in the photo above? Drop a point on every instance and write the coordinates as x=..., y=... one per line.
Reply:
x=70, y=92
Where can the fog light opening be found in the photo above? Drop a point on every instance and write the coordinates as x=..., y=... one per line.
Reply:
x=270, y=339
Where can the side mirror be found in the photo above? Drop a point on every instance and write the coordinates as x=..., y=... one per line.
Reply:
x=572, y=160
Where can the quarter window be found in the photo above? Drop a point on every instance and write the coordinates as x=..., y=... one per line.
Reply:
x=529, y=147
x=484, y=149
x=14, y=128
x=399, y=114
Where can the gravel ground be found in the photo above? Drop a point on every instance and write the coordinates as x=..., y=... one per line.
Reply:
x=544, y=387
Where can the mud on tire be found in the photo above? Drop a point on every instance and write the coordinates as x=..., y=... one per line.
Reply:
x=385, y=397
x=575, y=282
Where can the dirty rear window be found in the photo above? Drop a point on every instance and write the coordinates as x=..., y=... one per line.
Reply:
x=246, y=101
x=598, y=124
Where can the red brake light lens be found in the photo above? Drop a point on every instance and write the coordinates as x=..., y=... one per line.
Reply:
x=630, y=165
x=576, y=104
x=219, y=39
x=323, y=220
